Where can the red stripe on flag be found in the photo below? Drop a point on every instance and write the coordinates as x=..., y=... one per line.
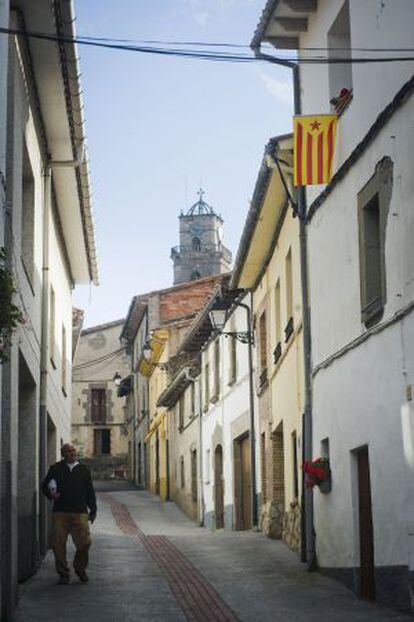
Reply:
x=299, y=139
x=320, y=158
x=330, y=148
x=309, y=141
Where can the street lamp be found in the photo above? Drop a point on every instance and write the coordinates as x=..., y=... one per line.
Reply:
x=147, y=353
x=218, y=317
x=117, y=379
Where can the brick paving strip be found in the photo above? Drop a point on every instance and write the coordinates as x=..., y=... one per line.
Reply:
x=196, y=597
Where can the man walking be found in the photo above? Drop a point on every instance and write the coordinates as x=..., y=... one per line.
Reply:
x=69, y=484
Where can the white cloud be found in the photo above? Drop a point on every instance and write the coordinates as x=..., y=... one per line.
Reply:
x=280, y=89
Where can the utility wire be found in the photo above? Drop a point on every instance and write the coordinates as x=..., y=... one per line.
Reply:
x=207, y=54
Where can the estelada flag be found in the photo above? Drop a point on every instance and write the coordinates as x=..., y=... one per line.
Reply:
x=314, y=145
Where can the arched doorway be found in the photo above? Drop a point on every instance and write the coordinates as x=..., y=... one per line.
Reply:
x=218, y=487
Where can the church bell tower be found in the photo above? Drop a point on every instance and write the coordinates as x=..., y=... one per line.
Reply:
x=201, y=252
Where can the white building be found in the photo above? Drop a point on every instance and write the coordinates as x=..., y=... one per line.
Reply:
x=226, y=467
x=49, y=239
x=361, y=267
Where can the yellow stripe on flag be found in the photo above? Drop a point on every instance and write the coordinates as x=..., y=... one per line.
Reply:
x=314, y=146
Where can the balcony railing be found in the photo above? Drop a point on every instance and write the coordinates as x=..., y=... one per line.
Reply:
x=277, y=353
x=289, y=329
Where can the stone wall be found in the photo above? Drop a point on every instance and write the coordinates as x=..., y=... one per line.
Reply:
x=291, y=526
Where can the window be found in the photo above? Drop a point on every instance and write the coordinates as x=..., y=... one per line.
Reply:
x=102, y=442
x=295, y=465
x=289, y=295
x=64, y=360
x=217, y=368
x=98, y=405
x=192, y=399
x=196, y=244
x=181, y=406
x=27, y=222
x=206, y=386
x=278, y=324
x=52, y=321
x=194, y=476
x=339, y=46
x=263, y=348
x=182, y=474
x=373, y=204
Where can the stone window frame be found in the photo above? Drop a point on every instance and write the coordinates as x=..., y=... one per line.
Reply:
x=378, y=187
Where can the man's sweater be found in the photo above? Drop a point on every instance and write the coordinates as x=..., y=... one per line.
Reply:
x=74, y=486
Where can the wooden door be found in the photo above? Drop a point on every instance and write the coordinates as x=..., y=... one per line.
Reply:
x=157, y=464
x=246, y=484
x=218, y=487
x=194, y=478
x=366, y=532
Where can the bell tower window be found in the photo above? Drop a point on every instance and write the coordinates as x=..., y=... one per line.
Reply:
x=196, y=244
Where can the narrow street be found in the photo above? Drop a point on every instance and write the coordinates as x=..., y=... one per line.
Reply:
x=149, y=562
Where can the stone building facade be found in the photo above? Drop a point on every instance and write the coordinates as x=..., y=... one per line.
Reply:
x=99, y=417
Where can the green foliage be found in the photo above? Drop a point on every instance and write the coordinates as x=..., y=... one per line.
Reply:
x=10, y=315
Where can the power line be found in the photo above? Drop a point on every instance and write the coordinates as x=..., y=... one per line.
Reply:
x=209, y=55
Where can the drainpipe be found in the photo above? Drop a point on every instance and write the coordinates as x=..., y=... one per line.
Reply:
x=4, y=51
x=306, y=321
x=44, y=355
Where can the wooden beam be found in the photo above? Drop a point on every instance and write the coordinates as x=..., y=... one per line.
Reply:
x=284, y=43
x=293, y=24
x=302, y=6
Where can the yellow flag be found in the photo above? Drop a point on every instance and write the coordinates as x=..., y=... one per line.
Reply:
x=314, y=145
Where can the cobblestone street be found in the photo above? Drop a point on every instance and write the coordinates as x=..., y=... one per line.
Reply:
x=149, y=562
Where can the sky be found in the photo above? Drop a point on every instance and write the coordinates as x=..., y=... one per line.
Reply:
x=159, y=127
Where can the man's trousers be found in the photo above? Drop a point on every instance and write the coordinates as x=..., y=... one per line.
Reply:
x=76, y=525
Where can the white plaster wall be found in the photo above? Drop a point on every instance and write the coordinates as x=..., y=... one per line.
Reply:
x=334, y=242
x=58, y=401
x=373, y=24
x=358, y=401
x=232, y=404
x=360, y=397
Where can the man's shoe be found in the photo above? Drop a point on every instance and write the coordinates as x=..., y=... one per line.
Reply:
x=83, y=576
x=64, y=580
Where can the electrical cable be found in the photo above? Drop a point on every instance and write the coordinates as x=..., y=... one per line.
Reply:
x=210, y=55
x=104, y=357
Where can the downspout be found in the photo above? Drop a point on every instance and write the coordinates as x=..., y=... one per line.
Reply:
x=4, y=56
x=306, y=319
x=44, y=343
x=44, y=354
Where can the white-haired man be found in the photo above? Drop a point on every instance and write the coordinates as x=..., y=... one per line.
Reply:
x=69, y=485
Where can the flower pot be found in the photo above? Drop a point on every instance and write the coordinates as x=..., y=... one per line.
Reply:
x=325, y=486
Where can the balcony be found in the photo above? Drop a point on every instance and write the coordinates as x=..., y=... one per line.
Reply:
x=277, y=353
x=289, y=329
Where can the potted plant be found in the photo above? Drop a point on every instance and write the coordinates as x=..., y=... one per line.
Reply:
x=10, y=315
x=318, y=473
